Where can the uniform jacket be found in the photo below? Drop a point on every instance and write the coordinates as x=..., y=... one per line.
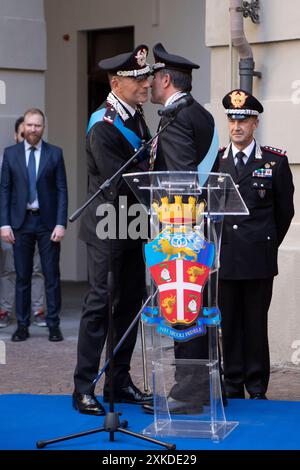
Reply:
x=250, y=243
x=186, y=141
x=107, y=150
x=51, y=187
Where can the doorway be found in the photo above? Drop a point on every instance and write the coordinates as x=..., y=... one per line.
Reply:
x=101, y=44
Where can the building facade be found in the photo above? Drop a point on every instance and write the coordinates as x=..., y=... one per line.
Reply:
x=23, y=62
x=45, y=47
x=275, y=42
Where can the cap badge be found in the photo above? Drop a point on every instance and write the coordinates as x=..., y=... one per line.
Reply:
x=141, y=57
x=238, y=99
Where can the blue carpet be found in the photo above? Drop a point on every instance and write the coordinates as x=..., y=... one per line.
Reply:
x=25, y=419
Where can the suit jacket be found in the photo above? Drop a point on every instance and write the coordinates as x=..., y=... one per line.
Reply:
x=107, y=150
x=184, y=144
x=250, y=243
x=51, y=187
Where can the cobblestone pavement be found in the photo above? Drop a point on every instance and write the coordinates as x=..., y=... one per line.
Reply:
x=38, y=366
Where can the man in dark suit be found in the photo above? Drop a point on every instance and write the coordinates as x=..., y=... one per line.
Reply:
x=250, y=246
x=33, y=202
x=115, y=132
x=8, y=273
x=190, y=143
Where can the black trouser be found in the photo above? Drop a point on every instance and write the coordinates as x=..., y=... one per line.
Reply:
x=244, y=306
x=191, y=380
x=129, y=280
x=33, y=231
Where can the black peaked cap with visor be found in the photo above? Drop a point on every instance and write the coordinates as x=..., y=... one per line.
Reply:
x=129, y=64
x=240, y=105
x=165, y=60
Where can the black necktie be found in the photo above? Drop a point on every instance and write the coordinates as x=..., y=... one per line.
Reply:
x=139, y=120
x=240, y=163
x=31, y=168
x=142, y=132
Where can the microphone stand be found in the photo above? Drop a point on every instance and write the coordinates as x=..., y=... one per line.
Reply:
x=112, y=422
x=131, y=162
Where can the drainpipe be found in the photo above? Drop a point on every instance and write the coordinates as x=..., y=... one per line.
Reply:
x=246, y=64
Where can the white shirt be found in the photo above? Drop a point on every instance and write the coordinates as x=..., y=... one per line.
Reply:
x=247, y=151
x=174, y=97
x=126, y=105
x=37, y=154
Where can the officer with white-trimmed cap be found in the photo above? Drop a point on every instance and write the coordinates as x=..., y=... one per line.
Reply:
x=248, y=261
x=115, y=131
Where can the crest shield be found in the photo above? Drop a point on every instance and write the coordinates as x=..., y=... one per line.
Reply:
x=180, y=261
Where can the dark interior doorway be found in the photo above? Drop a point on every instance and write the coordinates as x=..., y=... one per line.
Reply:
x=104, y=43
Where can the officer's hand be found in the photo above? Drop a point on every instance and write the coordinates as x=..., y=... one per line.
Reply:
x=7, y=235
x=58, y=234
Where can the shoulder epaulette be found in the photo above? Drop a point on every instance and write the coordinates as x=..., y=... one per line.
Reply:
x=110, y=115
x=274, y=150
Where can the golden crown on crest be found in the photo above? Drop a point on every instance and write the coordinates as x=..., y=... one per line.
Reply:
x=178, y=212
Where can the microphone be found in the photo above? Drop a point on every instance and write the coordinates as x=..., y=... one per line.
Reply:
x=174, y=108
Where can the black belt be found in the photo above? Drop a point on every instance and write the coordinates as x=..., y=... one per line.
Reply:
x=33, y=211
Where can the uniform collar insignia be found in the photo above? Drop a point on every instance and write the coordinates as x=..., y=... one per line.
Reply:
x=258, y=152
x=115, y=103
x=226, y=153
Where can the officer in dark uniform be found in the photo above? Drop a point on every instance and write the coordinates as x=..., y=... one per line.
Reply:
x=192, y=139
x=115, y=132
x=190, y=143
x=250, y=246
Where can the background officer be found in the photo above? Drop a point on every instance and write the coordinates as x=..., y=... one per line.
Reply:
x=114, y=133
x=192, y=138
x=250, y=246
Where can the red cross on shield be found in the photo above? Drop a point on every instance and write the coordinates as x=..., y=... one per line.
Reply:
x=180, y=284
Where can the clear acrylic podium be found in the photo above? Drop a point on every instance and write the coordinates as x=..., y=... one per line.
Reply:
x=186, y=211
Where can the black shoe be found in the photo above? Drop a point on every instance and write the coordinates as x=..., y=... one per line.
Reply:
x=55, y=334
x=21, y=334
x=177, y=407
x=87, y=404
x=258, y=396
x=130, y=394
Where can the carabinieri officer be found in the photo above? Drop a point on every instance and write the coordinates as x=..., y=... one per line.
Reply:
x=250, y=246
x=114, y=134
